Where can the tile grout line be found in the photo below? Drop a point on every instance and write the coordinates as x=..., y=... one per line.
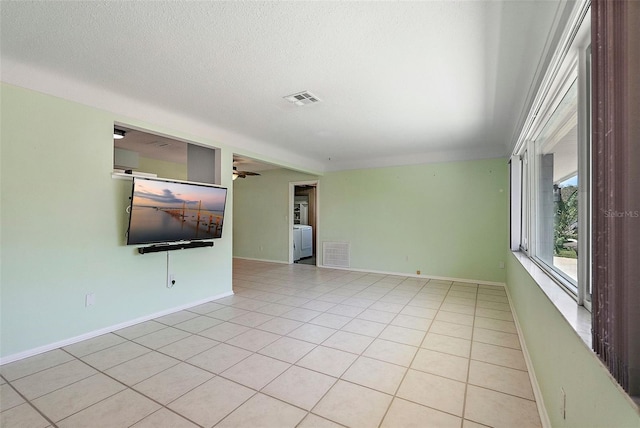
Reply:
x=294, y=364
x=358, y=356
x=466, y=383
x=256, y=391
x=354, y=361
x=131, y=387
x=395, y=394
x=128, y=387
x=27, y=401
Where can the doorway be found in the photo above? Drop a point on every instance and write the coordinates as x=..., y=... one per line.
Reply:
x=303, y=230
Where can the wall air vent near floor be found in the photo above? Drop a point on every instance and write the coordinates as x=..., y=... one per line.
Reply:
x=335, y=254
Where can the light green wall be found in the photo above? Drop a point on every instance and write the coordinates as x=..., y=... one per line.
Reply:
x=177, y=171
x=562, y=360
x=448, y=219
x=63, y=225
x=261, y=214
x=445, y=219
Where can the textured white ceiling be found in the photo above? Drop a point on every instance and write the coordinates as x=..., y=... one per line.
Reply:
x=401, y=82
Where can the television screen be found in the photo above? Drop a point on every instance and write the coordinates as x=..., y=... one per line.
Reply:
x=165, y=211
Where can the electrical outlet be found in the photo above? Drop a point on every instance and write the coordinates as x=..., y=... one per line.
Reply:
x=417, y=272
x=90, y=299
x=501, y=265
x=563, y=403
x=171, y=280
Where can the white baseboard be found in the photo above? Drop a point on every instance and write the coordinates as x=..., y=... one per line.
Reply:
x=110, y=329
x=537, y=393
x=413, y=275
x=261, y=260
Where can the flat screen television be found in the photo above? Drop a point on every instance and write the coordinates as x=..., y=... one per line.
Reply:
x=165, y=211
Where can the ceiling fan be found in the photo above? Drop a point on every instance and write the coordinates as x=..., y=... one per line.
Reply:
x=242, y=174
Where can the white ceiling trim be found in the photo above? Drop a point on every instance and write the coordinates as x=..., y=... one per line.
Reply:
x=421, y=158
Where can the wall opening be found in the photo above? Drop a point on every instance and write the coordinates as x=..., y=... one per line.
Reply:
x=303, y=206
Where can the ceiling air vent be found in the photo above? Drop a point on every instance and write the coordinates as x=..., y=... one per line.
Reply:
x=302, y=98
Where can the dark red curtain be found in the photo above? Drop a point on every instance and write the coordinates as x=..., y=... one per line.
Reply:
x=615, y=26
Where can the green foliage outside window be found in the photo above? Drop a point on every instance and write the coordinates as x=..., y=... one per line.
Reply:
x=566, y=222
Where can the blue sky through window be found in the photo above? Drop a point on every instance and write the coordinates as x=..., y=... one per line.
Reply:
x=573, y=181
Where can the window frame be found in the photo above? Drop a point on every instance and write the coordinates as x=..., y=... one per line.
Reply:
x=570, y=64
x=568, y=79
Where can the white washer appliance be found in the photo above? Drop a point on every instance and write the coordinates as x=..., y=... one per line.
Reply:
x=306, y=244
x=297, y=243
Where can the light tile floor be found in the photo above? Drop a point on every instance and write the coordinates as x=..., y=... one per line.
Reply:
x=296, y=346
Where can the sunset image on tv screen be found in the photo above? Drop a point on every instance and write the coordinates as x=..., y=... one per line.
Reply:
x=164, y=211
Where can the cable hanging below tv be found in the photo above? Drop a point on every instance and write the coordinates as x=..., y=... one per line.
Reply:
x=172, y=247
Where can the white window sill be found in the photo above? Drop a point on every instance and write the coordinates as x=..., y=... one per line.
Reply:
x=577, y=316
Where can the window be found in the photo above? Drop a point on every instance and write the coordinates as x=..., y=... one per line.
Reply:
x=556, y=165
x=525, y=202
x=570, y=192
x=553, y=158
